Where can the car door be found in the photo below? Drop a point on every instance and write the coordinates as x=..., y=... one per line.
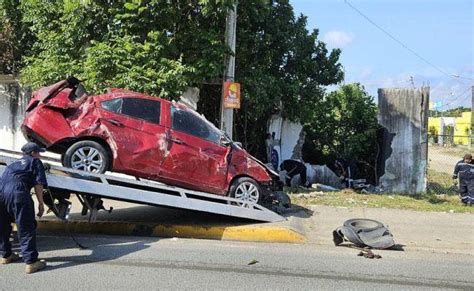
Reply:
x=134, y=125
x=195, y=158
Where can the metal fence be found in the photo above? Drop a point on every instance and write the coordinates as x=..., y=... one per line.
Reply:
x=444, y=151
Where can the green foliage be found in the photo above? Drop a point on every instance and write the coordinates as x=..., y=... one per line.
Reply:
x=125, y=63
x=15, y=37
x=345, y=126
x=158, y=46
x=163, y=46
x=455, y=112
x=281, y=66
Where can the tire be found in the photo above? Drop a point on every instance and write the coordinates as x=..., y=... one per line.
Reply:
x=362, y=224
x=247, y=190
x=88, y=156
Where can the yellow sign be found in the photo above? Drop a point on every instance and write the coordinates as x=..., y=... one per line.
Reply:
x=231, y=95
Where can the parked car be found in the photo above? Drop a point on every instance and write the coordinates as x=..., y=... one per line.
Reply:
x=143, y=136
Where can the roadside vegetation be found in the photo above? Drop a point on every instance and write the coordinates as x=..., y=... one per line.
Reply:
x=162, y=48
x=349, y=198
x=440, y=183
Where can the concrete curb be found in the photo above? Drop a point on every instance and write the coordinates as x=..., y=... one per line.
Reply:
x=264, y=233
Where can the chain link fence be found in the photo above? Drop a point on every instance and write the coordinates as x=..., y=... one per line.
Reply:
x=444, y=151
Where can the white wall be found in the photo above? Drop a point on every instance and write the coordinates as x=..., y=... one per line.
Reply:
x=13, y=101
x=288, y=133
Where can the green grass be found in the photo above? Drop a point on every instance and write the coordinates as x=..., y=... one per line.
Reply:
x=440, y=183
x=349, y=198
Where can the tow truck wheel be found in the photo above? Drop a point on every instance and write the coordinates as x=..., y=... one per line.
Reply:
x=247, y=190
x=87, y=156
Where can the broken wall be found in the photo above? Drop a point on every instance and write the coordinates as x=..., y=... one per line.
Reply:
x=404, y=115
x=13, y=102
x=289, y=136
x=190, y=97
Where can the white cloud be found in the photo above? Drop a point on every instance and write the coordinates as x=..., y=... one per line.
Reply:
x=338, y=38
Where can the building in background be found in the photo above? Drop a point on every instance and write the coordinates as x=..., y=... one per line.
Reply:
x=450, y=130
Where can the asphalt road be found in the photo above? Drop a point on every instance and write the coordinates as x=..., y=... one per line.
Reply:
x=148, y=263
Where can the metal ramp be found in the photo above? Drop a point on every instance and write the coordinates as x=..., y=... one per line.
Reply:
x=90, y=188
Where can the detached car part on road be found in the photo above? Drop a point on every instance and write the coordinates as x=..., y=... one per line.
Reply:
x=364, y=232
x=144, y=136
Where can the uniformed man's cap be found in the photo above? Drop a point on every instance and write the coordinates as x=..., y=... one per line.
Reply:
x=32, y=147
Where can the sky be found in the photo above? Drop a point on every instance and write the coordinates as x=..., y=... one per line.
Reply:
x=437, y=33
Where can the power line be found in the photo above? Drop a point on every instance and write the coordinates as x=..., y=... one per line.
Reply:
x=457, y=97
x=404, y=45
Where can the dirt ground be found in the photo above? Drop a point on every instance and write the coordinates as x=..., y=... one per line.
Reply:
x=443, y=159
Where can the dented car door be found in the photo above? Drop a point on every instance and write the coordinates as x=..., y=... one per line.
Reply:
x=134, y=128
x=195, y=156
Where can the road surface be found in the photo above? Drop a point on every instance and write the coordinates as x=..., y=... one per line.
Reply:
x=169, y=264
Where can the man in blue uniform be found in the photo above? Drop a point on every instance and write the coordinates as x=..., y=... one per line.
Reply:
x=17, y=206
x=464, y=170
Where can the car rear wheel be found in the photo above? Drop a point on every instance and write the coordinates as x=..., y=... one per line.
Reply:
x=246, y=190
x=88, y=156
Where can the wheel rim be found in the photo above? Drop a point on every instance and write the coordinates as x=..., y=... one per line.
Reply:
x=87, y=159
x=247, y=192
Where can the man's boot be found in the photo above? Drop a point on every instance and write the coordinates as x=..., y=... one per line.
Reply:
x=12, y=258
x=35, y=267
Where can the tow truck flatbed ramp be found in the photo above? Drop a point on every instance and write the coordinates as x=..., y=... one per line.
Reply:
x=91, y=187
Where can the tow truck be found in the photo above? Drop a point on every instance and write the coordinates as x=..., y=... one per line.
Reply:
x=91, y=188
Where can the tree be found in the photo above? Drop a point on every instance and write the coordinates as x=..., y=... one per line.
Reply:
x=15, y=37
x=281, y=67
x=158, y=46
x=455, y=112
x=346, y=129
x=161, y=47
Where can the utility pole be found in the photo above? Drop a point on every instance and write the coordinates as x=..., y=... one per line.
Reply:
x=227, y=114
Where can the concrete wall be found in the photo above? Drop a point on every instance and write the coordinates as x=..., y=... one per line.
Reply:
x=291, y=136
x=404, y=114
x=462, y=129
x=13, y=102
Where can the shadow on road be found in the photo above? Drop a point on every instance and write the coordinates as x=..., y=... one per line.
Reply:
x=298, y=211
x=99, y=253
x=94, y=252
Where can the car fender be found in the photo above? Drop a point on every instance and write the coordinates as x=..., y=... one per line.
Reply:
x=243, y=164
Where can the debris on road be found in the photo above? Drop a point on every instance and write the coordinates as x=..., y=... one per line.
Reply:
x=253, y=262
x=368, y=254
x=364, y=232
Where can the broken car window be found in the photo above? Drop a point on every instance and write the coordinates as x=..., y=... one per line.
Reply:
x=114, y=105
x=79, y=92
x=189, y=122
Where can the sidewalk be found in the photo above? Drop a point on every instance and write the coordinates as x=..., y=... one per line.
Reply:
x=432, y=231
x=429, y=231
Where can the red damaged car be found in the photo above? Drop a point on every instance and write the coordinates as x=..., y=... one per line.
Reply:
x=143, y=136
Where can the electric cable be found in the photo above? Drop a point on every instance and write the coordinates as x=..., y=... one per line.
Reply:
x=454, y=76
x=457, y=97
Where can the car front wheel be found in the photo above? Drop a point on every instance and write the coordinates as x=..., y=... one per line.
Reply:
x=246, y=190
x=88, y=156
